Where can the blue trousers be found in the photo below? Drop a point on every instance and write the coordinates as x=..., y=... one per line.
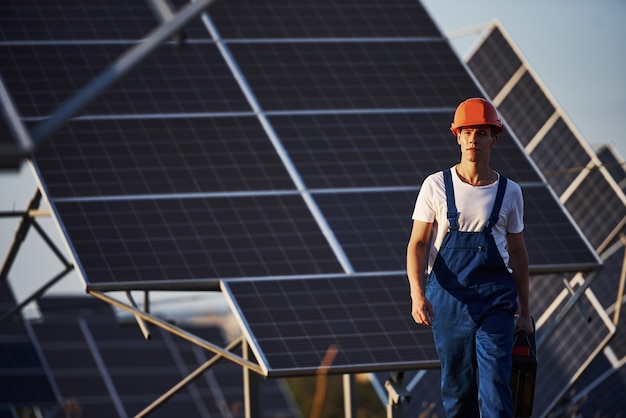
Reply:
x=474, y=300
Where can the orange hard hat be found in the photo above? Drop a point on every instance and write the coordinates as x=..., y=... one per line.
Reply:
x=475, y=111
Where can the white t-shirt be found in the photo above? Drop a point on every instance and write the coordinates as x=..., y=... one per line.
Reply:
x=474, y=204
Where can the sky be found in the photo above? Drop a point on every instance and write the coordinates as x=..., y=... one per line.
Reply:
x=575, y=47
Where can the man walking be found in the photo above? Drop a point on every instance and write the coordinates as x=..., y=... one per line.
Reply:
x=467, y=267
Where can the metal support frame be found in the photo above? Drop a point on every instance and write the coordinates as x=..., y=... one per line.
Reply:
x=12, y=156
x=142, y=324
x=399, y=395
x=191, y=377
x=349, y=400
x=584, y=312
x=252, y=371
x=620, y=286
x=177, y=331
x=29, y=220
x=164, y=12
x=547, y=332
x=251, y=386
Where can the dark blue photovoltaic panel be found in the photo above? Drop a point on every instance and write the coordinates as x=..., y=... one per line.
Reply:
x=494, y=63
x=353, y=75
x=195, y=80
x=363, y=150
x=293, y=323
x=560, y=156
x=614, y=164
x=597, y=208
x=382, y=150
x=373, y=228
x=319, y=19
x=552, y=240
x=195, y=239
x=31, y=20
x=526, y=108
x=160, y=156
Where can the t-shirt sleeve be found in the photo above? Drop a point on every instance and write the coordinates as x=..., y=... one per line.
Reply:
x=515, y=218
x=424, y=210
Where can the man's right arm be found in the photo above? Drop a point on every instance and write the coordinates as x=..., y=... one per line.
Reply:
x=422, y=310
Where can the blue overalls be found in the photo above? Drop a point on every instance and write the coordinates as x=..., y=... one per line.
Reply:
x=475, y=300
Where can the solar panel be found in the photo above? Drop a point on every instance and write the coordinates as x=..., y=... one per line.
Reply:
x=526, y=108
x=196, y=239
x=339, y=75
x=551, y=248
x=560, y=156
x=386, y=149
x=614, y=165
x=99, y=158
x=30, y=21
x=194, y=81
x=275, y=19
x=292, y=323
x=597, y=208
x=494, y=62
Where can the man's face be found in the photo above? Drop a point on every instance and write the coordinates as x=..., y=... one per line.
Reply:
x=476, y=141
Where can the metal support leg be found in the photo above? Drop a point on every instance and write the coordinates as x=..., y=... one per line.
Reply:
x=20, y=235
x=142, y=324
x=251, y=385
x=28, y=221
x=398, y=395
x=546, y=332
x=620, y=288
x=581, y=308
x=349, y=400
x=193, y=375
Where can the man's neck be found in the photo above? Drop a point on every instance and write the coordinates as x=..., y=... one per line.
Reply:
x=476, y=174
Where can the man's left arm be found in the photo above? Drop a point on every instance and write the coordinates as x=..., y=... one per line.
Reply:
x=518, y=262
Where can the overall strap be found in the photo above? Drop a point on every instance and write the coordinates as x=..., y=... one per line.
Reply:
x=453, y=214
x=495, y=213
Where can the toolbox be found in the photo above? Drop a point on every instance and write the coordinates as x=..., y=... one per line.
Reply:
x=524, y=373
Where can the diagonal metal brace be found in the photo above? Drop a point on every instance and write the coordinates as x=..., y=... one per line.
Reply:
x=179, y=332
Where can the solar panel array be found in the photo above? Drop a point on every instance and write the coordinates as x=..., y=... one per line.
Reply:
x=599, y=389
x=244, y=153
x=104, y=368
x=24, y=380
x=284, y=142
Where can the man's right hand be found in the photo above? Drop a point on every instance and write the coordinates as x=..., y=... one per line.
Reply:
x=422, y=310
